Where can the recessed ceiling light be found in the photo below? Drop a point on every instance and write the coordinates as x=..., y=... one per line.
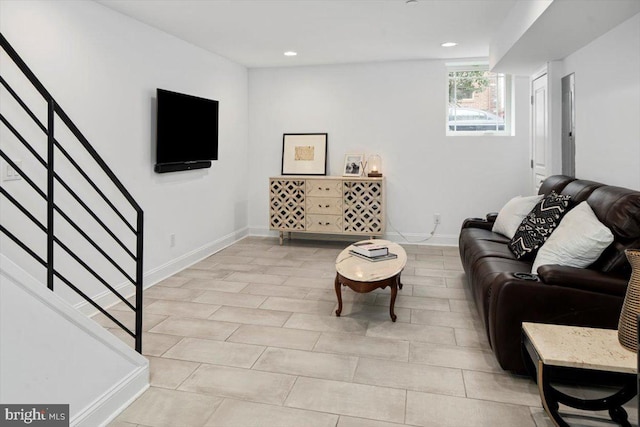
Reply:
x=290, y=53
x=449, y=44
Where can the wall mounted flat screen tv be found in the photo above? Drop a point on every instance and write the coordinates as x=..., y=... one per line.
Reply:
x=187, y=132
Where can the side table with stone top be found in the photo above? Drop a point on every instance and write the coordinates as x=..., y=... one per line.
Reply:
x=588, y=356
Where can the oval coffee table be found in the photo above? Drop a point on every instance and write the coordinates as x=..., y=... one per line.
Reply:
x=363, y=276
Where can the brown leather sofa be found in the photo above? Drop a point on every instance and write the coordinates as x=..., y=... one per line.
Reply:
x=561, y=295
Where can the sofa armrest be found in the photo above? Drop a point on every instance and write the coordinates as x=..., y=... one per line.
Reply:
x=513, y=301
x=486, y=223
x=581, y=278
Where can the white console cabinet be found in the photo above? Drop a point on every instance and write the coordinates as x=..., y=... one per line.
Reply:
x=331, y=205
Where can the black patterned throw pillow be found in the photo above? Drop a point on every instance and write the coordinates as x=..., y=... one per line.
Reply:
x=537, y=226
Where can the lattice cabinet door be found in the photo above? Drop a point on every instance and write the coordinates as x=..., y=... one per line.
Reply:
x=286, y=204
x=363, y=207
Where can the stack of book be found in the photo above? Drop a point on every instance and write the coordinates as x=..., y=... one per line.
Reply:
x=371, y=251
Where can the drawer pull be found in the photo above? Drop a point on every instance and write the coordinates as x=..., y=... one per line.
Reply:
x=326, y=206
x=326, y=223
x=327, y=189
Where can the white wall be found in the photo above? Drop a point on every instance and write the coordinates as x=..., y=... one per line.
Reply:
x=51, y=354
x=397, y=110
x=607, y=76
x=103, y=69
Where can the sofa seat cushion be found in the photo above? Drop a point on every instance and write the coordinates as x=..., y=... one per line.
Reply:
x=473, y=242
x=477, y=249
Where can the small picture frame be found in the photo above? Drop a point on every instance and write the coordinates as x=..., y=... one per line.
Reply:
x=304, y=154
x=353, y=165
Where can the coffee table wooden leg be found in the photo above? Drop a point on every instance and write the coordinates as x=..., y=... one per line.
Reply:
x=399, y=282
x=394, y=293
x=339, y=295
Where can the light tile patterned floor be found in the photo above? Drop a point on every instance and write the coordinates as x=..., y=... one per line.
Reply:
x=248, y=337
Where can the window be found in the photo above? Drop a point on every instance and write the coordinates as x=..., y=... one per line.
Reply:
x=478, y=102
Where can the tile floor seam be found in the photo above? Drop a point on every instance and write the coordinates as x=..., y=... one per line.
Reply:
x=316, y=377
x=258, y=358
x=160, y=355
x=316, y=341
x=284, y=401
x=189, y=376
x=406, y=403
x=277, y=406
x=501, y=402
x=213, y=413
x=355, y=369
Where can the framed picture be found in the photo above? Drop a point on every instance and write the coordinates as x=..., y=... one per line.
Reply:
x=353, y=165
x=304, y=154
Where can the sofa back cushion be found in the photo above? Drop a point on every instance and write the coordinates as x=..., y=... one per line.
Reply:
x=554, y=183
x=619, y=209
x=580, y=190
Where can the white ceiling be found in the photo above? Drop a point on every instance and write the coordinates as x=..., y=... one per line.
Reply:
x=256, y=33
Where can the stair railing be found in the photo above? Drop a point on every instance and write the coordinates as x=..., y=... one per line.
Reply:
x=54, y=210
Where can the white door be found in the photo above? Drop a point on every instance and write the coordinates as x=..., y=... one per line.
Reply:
x=540, y=149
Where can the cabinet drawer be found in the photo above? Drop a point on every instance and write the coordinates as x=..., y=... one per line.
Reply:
x=324, y=223
x=324, y=205
x=324, y=188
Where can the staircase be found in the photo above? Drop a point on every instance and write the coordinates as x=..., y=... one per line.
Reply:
x=107, y=240
x=71, y=236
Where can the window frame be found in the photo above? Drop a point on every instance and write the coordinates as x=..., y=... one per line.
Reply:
x=508, y=101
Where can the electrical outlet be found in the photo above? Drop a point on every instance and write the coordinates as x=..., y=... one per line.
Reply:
x=172, y=240
x=436, y=218
x=10, y=174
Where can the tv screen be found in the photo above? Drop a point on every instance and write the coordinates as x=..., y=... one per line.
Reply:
x=187, y=129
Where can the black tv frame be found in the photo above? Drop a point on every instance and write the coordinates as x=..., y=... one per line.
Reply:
x=187, y=164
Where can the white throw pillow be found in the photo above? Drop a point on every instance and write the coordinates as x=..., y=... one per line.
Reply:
x=512, y=214
x=578, y=241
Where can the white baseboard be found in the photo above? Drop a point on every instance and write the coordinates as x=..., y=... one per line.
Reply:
x=104, y=409
x=413, y=238
x=423, y=239
x=170, y=268
x=155, y=275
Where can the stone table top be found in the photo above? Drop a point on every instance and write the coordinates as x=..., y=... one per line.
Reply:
x=362, y=270
x=580, y=347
